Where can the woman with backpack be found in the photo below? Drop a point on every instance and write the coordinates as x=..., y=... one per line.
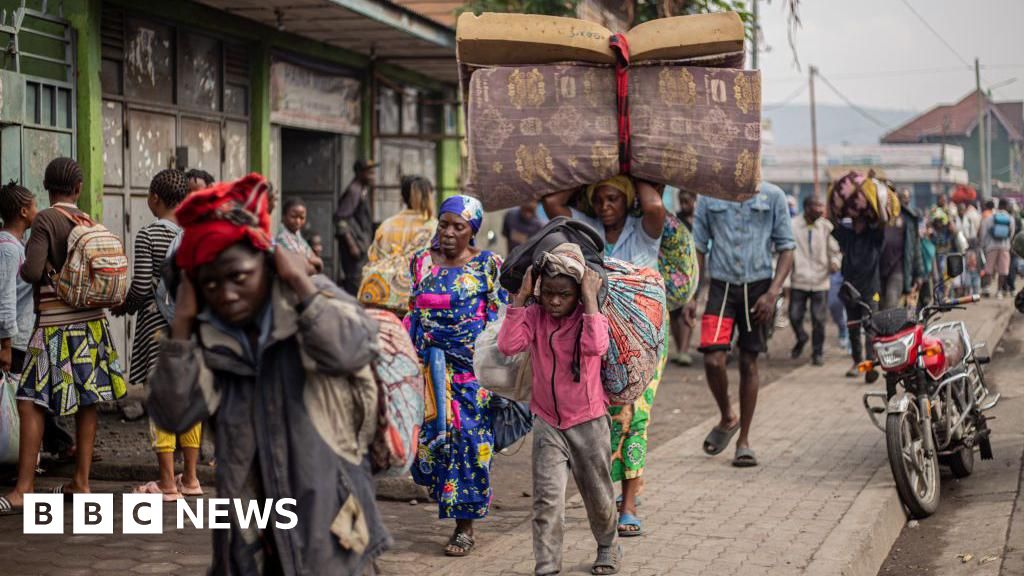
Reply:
x=167, y=189
x=71, y=364
x=455, y=294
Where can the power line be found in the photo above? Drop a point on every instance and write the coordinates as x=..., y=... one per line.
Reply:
x=866, y=75
x=796, y=93
x=850, y=103
x=936, y=33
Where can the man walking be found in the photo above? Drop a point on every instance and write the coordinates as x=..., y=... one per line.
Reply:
x=815, y=258
x=901, y=268
x=861, y=245
x=355, y=225
x=734, y=242
x=996, y=232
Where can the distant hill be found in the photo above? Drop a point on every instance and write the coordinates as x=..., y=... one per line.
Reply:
x=791, y=125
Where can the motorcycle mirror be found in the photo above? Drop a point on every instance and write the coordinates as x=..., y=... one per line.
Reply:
x=954, y=265
x=848, y=294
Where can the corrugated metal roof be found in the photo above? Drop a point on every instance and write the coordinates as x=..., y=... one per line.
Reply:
x=391, y=32
x=958, y=120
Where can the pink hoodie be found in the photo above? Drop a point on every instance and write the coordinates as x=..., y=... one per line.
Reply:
x=557, y=398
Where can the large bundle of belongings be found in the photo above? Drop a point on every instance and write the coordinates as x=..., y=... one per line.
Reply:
x=556, y=103
x=864, y=196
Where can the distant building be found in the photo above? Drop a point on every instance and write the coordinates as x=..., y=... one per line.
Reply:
x=958, y=124
x=921, y=167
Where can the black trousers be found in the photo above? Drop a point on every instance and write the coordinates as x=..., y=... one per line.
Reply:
x=798, y=301
x=854, y=312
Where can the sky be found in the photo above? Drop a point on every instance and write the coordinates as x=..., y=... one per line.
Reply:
x=880, y=55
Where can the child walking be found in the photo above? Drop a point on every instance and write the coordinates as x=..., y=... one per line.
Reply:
x=566, y=335
x=167, y=189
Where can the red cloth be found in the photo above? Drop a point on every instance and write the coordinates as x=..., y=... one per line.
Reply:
x=218, y=217
x=620, y=46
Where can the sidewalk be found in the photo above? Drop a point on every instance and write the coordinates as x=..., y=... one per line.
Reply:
x=822, y=501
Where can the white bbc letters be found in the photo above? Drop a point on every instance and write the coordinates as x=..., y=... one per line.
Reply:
x=43, y=514
x=142, y=514
x=92, y=514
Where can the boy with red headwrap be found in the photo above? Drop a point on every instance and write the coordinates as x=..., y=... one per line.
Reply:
x=279, y=363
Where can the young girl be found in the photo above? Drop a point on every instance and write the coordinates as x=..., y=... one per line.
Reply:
x=566, y=335
x=53, y=378
x=290, y=237
x=166, y=191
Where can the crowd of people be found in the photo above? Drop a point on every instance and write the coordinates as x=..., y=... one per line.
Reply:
x=235, y=328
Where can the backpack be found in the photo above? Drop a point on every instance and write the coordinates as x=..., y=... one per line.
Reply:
x=163, y=297
x=1001, y=226
x=399, y=395
x=95, y=274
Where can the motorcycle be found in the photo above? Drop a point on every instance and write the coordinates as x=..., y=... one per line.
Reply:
x=935, y=399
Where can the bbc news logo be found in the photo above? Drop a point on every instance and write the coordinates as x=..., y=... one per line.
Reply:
x=144, y=513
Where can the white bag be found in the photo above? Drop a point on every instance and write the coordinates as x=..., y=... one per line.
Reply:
x=495, y=371
x=10, y=424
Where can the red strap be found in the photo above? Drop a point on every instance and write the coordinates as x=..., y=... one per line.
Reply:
x=620, y=46
x=76, y=219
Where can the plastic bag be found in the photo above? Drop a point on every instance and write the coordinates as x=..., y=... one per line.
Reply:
x=495, y=371
x=10, y=427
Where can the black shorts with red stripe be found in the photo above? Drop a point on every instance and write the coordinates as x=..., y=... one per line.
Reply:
x=731, y=306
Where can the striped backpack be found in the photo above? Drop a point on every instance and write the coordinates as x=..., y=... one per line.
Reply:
x=95, y=274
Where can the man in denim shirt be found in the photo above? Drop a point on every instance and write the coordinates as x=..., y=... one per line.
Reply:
x=734, y=242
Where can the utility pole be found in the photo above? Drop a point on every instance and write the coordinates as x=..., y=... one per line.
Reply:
x=756, y=38
x=942, y=157
x=814, y=133
x=985, y=192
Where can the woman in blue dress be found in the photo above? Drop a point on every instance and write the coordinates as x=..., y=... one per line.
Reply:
x=455, y=293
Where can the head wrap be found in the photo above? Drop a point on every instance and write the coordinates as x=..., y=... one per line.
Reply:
x=939, y=215
x=621, y=183
x=565, y=259
x=218, y=217
x=465, y=207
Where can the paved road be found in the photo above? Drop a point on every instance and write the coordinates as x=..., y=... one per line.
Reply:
x=981, y=515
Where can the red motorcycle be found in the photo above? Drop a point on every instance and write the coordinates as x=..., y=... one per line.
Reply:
x=935, y=398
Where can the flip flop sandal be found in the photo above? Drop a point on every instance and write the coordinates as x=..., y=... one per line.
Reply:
x=745, y=458
x=153, y=488
x=627, y=519
x=187, y=491
x=8, y=509
x=607, y=561
x=462, y=541
x=62, y=489
x=718, y=439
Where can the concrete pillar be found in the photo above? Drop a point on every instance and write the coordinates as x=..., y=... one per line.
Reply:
x=84, y=16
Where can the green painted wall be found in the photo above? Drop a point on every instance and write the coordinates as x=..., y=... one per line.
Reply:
x=83, y=15
x=259, y=118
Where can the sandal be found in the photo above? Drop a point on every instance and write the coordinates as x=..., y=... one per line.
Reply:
x=607, y=561
x=627, y=522
x=745, y=458
x=184, y=491
x=460, y=541
x=153, y=488
x=718, y=439
x=63, y=489
x=8, y=509
x=618, y=502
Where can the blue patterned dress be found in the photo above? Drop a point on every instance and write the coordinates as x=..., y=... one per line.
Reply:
x=449, y=308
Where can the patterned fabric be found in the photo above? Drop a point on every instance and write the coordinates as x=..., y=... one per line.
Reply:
x=637, y=321
x=450, y=308
x=677, y=262
x=294, y=242
x=386, y=282
x=95, y=274
x=400, y=395
x=629, y=429
x=534, y=130
x=73, y=366
x=151, y=245
x=467, y=208
x=861, y=196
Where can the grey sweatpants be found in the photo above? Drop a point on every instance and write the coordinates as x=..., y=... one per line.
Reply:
x=585, y=450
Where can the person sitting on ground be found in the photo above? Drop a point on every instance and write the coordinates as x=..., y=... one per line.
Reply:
x=198, y=179
x=51, y=381
x=279, y=362
x=566, y=335
x=167, y=189
x=635, y=239
x=816, y=257
x=290, y=237
x=734, y=242
x=996, y=233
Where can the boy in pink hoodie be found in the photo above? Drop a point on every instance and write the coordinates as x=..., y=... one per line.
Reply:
x=566, y=335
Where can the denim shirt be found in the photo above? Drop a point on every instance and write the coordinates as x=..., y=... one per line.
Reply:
x=17, y=313
x=740, y=236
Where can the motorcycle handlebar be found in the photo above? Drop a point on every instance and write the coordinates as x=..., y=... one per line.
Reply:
x=966, y=300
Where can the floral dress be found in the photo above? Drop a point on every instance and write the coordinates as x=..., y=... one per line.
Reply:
x=449, y=308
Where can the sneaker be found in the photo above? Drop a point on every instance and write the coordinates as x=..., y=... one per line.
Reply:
x=844, y=344
x=852, y=372
x=817, y=360
x=682, y=359
x=798, y=349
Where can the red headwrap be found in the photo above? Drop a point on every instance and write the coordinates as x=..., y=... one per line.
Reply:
x=218, y=217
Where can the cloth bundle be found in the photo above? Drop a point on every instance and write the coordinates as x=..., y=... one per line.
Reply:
x=400, y=396
x=534, y=130
x=677, y=262
x=863, y=196
x=387, y=280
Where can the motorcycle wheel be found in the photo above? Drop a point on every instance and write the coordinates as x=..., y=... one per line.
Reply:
x=960, y=464
x=916, y=475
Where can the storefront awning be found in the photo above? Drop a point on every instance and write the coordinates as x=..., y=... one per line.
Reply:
x=390, y=32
